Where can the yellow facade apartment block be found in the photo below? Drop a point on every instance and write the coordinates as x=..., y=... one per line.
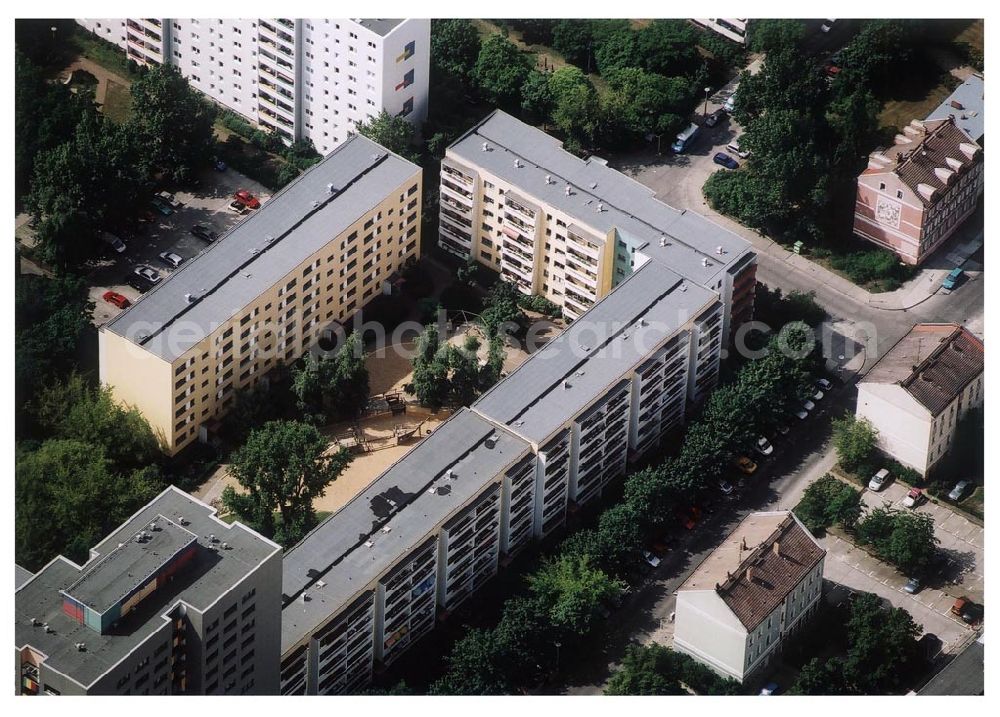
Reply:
x=266, y=292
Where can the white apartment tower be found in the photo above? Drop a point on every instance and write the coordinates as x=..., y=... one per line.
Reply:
x=304, y=79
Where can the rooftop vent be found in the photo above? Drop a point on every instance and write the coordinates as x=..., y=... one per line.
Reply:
x=330, y=188
x=226, y=546
x=47, y=628
x=386, y=529
x=706, y=262
x=600, y=207
x=569, y=190
x=369, y=544
x=315, y=204
x=517, y=162
x=212, y=538
x=182, y=520
x=491, y=442
x=433, y=490
x=683, y=287
x=565, y=385
x=719, y=250
x=153, y=526
x=450, y=474
x=268, y=239
x=486, y=146
x=254, y=251
x=81, y=646
x=320, y=584
x=548, y=179
x=593, y=185
x=188, y=298
x=34, y=622
x=663, y=241
x=305, y=597
x=957, y=105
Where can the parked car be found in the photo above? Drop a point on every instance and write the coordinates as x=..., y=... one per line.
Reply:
x=150, y=275
x=171, y=259
x=735, y=148
x=959, y=490
x=203, y=232
x=808, y=405
x=880, y=480
x=725, y=160
x=914, y=498
x=162, y=207
x=651, y=559
x=951, y=281
x=764, y=446
x=818, y=396
x=119, y=300
x=725, y=486
x=169, y=199
x=802, y=414
x=746, y=466
x=823, y=384
x=714, y=118
x=114, y=242
x=238, y=207
x=247, y=199
x=913, y=586
x=827, y=25
x=730, y=104
x=967, y=610
x=771, y=688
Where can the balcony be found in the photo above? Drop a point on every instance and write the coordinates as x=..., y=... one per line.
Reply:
x=456, y=190
x=456, y=175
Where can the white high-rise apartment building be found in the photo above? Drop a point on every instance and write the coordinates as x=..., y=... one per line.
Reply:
x=304, y=79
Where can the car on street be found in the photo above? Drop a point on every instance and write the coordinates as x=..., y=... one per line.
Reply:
x=171, y=259
x=959, y=490
x=771, y=688
x=736, y=149
x=161, y=206
x=808, y=405
x=967, y=610
x=119, y=300
x=914, y=498
x=725, y=486
x=246, y=199
x=169, y=199
x=730, y=104
x=823, y=384
x=713, y=119
x=764, y=446
x=114, y=242
x=818, y=396
x=880, y=480
x=802, y=414
x=148, y=274
x=746, y=466
x=951, y=281
x=912, y=586
x=651, y=559
x=827, y=25
x=725, y=160
x=204, y=233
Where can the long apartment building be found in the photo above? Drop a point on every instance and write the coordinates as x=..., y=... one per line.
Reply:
x=379, y=573
x=301, y=78
x=265, y=292
x=174, y=601
x=570, y=229
x=757, y=588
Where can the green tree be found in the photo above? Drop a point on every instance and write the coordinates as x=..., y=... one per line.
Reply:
x=573, y=592
x=770, y=35
x=455, y=47
x=876, y=55
x=501, y=71
x=650, y=103
x=73, y=409
x=855, y=440
x=574, y=39
x=500, y=307
x=68, y=499
x=535, y=31
x=616, y=51
x=430, y=373
x=173, y=121
x=657, y=670
x=828, y=501
x=392, y=132
x=903, y=538
x=536, y=97
x=283, y=466
x=883, y=651
x=821, y=677
x=668, y=47
x=332, y=387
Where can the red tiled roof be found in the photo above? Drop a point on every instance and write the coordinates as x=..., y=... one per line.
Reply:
x=770, y=572
x=921, y=156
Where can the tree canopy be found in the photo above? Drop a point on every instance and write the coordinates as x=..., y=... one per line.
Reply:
x=501, y=71
x=392, y=132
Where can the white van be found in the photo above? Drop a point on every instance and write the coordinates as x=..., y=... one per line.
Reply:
x=685, y=138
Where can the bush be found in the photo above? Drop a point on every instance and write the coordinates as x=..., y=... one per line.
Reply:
x=863, y=267
x=540, y=305
x=855, y=440
x=899, y=537
x=829, y=501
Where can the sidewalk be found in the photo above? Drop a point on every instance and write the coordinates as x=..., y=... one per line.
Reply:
x=911, y=294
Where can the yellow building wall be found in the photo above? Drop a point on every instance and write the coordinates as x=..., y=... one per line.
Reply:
x=138, y=378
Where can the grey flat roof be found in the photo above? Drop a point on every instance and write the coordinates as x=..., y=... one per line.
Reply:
x=964, y=675
x=970, y=94
x=593, y=352
x=336, y=551
x=130, y=565
x=242, y=264
x=21, y=576
x=628, y=206
x=210, y=574
x=380, y=26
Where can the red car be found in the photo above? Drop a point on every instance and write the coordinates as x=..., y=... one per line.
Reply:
x=113, y=297
x=247, y=199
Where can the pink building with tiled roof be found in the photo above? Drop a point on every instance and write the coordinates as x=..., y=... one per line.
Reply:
x=913, y=195
x=754, y=590
x=917, y=392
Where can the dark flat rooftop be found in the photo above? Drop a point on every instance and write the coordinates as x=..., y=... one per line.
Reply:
x=211, y=573
x=131, y=564
x=964, y=675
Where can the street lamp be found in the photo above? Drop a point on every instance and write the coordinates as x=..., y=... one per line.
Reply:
x=558, y=645
x=707, y=90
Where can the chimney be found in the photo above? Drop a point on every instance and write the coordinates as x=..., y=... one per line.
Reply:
x=776, y=547
x=957, y=105
x=750, y=574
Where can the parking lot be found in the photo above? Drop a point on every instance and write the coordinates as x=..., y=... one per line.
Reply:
x=207, y=204
x=961, y=548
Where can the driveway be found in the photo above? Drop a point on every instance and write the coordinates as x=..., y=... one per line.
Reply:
x=207, y=204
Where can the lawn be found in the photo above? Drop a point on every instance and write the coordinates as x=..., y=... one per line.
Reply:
x=102, y=52
x=117, y=101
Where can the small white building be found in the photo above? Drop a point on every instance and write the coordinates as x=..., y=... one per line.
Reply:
x=916, y=393
x=755, y=589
